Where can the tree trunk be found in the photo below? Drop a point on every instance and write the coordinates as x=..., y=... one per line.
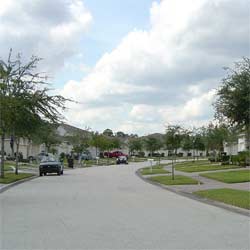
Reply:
x=28, y=149
x=2, y=155
x=17, y=155
x=172, y=168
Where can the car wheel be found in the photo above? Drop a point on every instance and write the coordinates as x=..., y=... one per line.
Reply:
x=40, y=173
x=45, y=174
x=62, y=172
x=58, y=173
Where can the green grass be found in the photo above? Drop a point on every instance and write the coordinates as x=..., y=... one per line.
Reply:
x=179, y=180
x=147, y=171
x=12, y=177
x=101, y=162
x=239, y=198
x=230, y=176
x=7, y=166
x=200, y=168
x=157, y=169
x=21, y=165
x=192, y=163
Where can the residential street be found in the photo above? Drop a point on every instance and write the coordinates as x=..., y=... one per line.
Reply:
x=112, y=208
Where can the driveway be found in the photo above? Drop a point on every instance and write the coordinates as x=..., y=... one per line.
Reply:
x=111, y=208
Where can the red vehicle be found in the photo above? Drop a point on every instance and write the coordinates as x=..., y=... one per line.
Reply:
x=114, y=154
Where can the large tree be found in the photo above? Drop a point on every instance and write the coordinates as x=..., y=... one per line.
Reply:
x=135, y=144
x=214, y=137
x=24, y=93
x=174, y=137
x=152, y=144
x=233, y=102
x=108, y=132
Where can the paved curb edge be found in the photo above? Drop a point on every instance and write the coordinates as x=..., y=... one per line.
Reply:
x=228, y=207
x=8, y=186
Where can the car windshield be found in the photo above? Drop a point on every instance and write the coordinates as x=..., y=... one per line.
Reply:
x=48, y=158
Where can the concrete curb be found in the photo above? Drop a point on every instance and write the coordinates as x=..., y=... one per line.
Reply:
x=8, y=186
x=228, y=207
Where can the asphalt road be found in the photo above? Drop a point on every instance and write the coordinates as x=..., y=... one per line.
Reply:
x=111, y=208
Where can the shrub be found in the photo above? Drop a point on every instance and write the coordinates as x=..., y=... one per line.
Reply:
x=212, y=159
x=24, y=160
x=225, y=159
x=141, y=154
x=62, y=155
x=235, y=159
x=244, y=158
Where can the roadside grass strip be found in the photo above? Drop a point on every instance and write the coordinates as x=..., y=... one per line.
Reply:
x=192, y=163
x=178, y=180
x=230, y=176
x=8, y=166
x=147, y=171
x=239, y=198
x=12, y=177
x=200, y=168
x=101, y=162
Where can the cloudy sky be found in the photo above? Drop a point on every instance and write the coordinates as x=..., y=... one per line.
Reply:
x=131, y=65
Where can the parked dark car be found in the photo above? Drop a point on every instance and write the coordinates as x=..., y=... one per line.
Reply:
x=49, y=164
x=122, y=160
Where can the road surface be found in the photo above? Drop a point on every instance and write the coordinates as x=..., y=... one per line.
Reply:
x=111, y=208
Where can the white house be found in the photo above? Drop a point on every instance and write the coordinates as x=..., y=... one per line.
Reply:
x=233, y=148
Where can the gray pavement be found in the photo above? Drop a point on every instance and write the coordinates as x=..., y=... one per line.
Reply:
x=111, y=208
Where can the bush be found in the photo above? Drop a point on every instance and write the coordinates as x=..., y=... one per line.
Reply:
x=212, y=159
x=225, y=159
x=25, y=160
x=141, y=154
x=244, y=158
x=235, y=159
x=62, y=155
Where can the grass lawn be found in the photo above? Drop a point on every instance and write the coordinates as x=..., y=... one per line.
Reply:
x=192, y=163
x=179, y=180
x=12, y=177
x=230, y=176
x=101, y=162
x=7, y=166
x=233, y=197
x=147, y=171
x=203, y=167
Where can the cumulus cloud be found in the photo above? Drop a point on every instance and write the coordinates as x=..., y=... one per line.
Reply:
x=168, y=73
x=48, y=29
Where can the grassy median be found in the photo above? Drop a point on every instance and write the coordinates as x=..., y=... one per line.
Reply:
x=147, y=171
x=239, y=198
x=178, y=180
x=230, y=176
x=201, y=166
x=12, y=177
